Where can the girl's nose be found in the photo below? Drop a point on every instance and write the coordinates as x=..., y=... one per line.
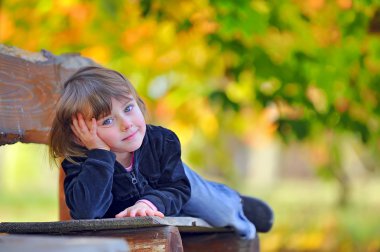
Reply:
x=125, y=123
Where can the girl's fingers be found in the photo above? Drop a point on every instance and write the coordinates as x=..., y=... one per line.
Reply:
x=79, y=116
x=132, y=213
x=141, y=212
x=75, y=131
x=149, y=212
x=86, y=132
x=75, y=127
x=82, y=124
x=74, y=122
x=77, y=120
x=77, y=124
x=82, y=127
x=122, y=214
x=159, y=214
x=155, y=213
x=93, y=126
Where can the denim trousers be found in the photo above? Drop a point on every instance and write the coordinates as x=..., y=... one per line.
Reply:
x=217, y=204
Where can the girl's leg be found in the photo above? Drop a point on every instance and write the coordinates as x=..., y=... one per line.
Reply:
x=217, y=204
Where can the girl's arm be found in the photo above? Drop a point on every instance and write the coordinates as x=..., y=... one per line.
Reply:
x=88, y=184
x=171, y=188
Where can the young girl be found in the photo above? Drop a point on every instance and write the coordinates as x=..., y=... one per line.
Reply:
x=118, y=166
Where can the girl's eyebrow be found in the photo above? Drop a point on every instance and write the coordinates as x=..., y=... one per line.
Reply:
x=128, y=100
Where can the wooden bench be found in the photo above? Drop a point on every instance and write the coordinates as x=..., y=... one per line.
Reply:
x=29, y=87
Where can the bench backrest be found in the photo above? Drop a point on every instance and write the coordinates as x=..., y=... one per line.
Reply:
x=29, y=88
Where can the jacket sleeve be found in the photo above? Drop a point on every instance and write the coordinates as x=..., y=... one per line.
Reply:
x=88, y=184
x=171, y=190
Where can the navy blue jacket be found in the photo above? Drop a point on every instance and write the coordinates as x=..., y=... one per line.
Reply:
x=100, y=187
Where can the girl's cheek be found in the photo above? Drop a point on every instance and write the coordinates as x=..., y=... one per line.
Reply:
x=99, y=133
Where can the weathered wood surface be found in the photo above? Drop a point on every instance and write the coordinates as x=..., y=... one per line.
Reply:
x=161, y=238
x=144, y=233
x=215, y=242
x=184, y=224
x=29, y=88
x=39, y=243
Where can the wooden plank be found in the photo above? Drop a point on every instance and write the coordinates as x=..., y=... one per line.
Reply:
x=29, y=87
x=141, y=233
x=162, y=238
x=39, y=243
x=216, y=242
x=184, y=224
x=144, y=233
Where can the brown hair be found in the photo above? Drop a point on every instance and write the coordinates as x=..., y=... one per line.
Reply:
x=88, y=91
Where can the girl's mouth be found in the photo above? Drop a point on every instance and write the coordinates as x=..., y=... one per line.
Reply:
x=130, y=136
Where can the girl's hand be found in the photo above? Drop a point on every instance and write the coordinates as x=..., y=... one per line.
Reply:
x=139, y=209
x=86, y=133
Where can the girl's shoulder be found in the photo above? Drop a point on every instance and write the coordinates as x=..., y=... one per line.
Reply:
x=73, y=160
x=160, y=140
x=159, y=131
x=160, y=134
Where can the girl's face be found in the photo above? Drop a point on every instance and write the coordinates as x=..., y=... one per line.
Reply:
x=124, y=129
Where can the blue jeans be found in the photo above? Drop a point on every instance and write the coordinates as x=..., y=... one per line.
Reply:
x=217, y=204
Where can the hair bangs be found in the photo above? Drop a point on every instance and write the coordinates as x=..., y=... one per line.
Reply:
x=100, y=101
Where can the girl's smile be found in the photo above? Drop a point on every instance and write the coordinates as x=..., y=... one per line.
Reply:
x=131, y=136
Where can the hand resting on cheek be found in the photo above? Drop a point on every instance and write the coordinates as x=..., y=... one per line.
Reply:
x=87, y=133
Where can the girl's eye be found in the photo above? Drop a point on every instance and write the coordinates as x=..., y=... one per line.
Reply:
x=107, y=121
x=128, y=108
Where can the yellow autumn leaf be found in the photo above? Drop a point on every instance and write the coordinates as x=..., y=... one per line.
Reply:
x=98, y=53
x=133, y=36
x=208, y=123
x=184, y=131
x=169, y=59
x=65, y=3
x=145, y=54
x=6, y=26
x=197, y=54
x=166, y=33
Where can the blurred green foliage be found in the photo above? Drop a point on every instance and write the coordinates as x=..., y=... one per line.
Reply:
x=206, y=68
x=307, y=218
x=28, y=186
x=315, y=62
